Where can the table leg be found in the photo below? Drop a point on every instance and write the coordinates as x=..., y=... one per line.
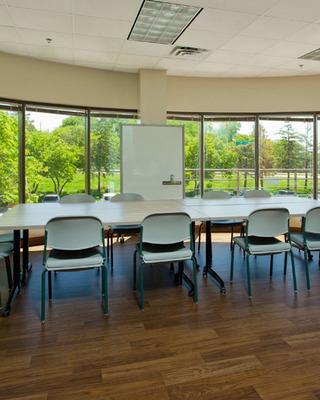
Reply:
x=26, y=266
x=207, y=268
x=16, y=273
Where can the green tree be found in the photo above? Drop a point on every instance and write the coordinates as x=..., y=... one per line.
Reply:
x=105, y=147
x=9, y=158
x=285, y=150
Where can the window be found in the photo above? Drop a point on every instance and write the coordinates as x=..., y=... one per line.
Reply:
x=286, y=148
x=105, y=152
x=229, y=154
x=9, y=150
x=55, y=152
x=191, y=151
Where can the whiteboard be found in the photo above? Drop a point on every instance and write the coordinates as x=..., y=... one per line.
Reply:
x=149, y=155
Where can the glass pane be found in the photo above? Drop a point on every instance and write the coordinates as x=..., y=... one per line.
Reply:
x=9, y=165
x=105, y=153
x=229, y=157
x=286, y=161
x=191, y=152
x=55, y=154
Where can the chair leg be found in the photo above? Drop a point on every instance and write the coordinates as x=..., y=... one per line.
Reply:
x=271, y=265
x=285, y=263
x=195, y=280
x=9, y=273
x=50, y=285
x=111, y=249
x=199, y=242
x=141, y=287
x=105, y=288
x=134, y=278
x=294, y=271
x=306, y=263
x=231, y=237
x=232, y=262
x=108, y=242
x=248, y=276
x=43, y=295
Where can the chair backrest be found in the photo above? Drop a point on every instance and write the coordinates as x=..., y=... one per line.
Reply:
x=73, y=233
x=166, y=228
x=268, y=222
x=127, y=197
x=216, y=195
x=77, y=198
x=256, y=193
x=312, y=220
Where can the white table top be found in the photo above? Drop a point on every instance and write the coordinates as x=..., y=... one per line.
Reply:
x=35, y=216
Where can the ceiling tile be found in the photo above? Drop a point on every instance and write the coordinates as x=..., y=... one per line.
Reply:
x=111, y=9
x=143, y=48
x=308, y=10
x=245, y=71
x=171, y=63
x=272, y=28
x=9, y=34
x=310, y=34
x=221, y=21
x=203, y=39
x=137, y=61
x=38, y=37
x=247, y=6
x=35, y=19
x=102, y=27
x=49, y=53
x=83, y=42
x=95, y=56
x=248, y=44
x=13, y=48
x=213, y=67
x=5, y=18
x=289, y=49
x=230, y=57
x=267, y=61
x=61, y=6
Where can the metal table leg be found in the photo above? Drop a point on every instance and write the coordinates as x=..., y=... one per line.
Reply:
x=207, y=268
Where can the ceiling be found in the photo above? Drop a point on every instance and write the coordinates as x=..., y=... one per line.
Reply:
x=242, y=38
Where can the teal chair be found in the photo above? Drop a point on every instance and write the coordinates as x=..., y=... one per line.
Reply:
x=262, y=228
x=309, y=238
x=5, y=251
x=76, y=243
x=162, y=239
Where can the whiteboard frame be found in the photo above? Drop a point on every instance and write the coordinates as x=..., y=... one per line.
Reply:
x=166, y=178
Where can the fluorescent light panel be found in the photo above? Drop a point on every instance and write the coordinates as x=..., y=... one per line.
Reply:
x=159, y=22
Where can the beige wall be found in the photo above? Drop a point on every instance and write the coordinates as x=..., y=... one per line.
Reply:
x=28, y=79
x=244, y=95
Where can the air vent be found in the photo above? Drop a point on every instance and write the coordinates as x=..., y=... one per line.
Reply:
x=313, y=55
x=188, y=52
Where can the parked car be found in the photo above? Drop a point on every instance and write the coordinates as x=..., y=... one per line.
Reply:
x=51, y=198
x=285, y=192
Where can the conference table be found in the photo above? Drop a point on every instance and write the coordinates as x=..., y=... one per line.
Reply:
x=24, y=217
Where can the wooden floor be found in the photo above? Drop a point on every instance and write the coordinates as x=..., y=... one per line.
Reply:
x=225, y=348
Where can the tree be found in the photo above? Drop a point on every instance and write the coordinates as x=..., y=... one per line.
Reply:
x=9, y=159
x=105, y=147
x=266, y=153
x=285, y=150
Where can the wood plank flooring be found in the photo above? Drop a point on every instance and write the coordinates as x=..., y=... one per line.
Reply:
x=225, y=348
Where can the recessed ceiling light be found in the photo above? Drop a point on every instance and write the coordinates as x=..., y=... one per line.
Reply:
x=160, y=22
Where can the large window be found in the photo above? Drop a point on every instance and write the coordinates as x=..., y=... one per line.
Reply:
x=229, y=154
x=105, y=152
x=55, y=153
x=191, y=125
x=286, y=149
x=9, y=150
